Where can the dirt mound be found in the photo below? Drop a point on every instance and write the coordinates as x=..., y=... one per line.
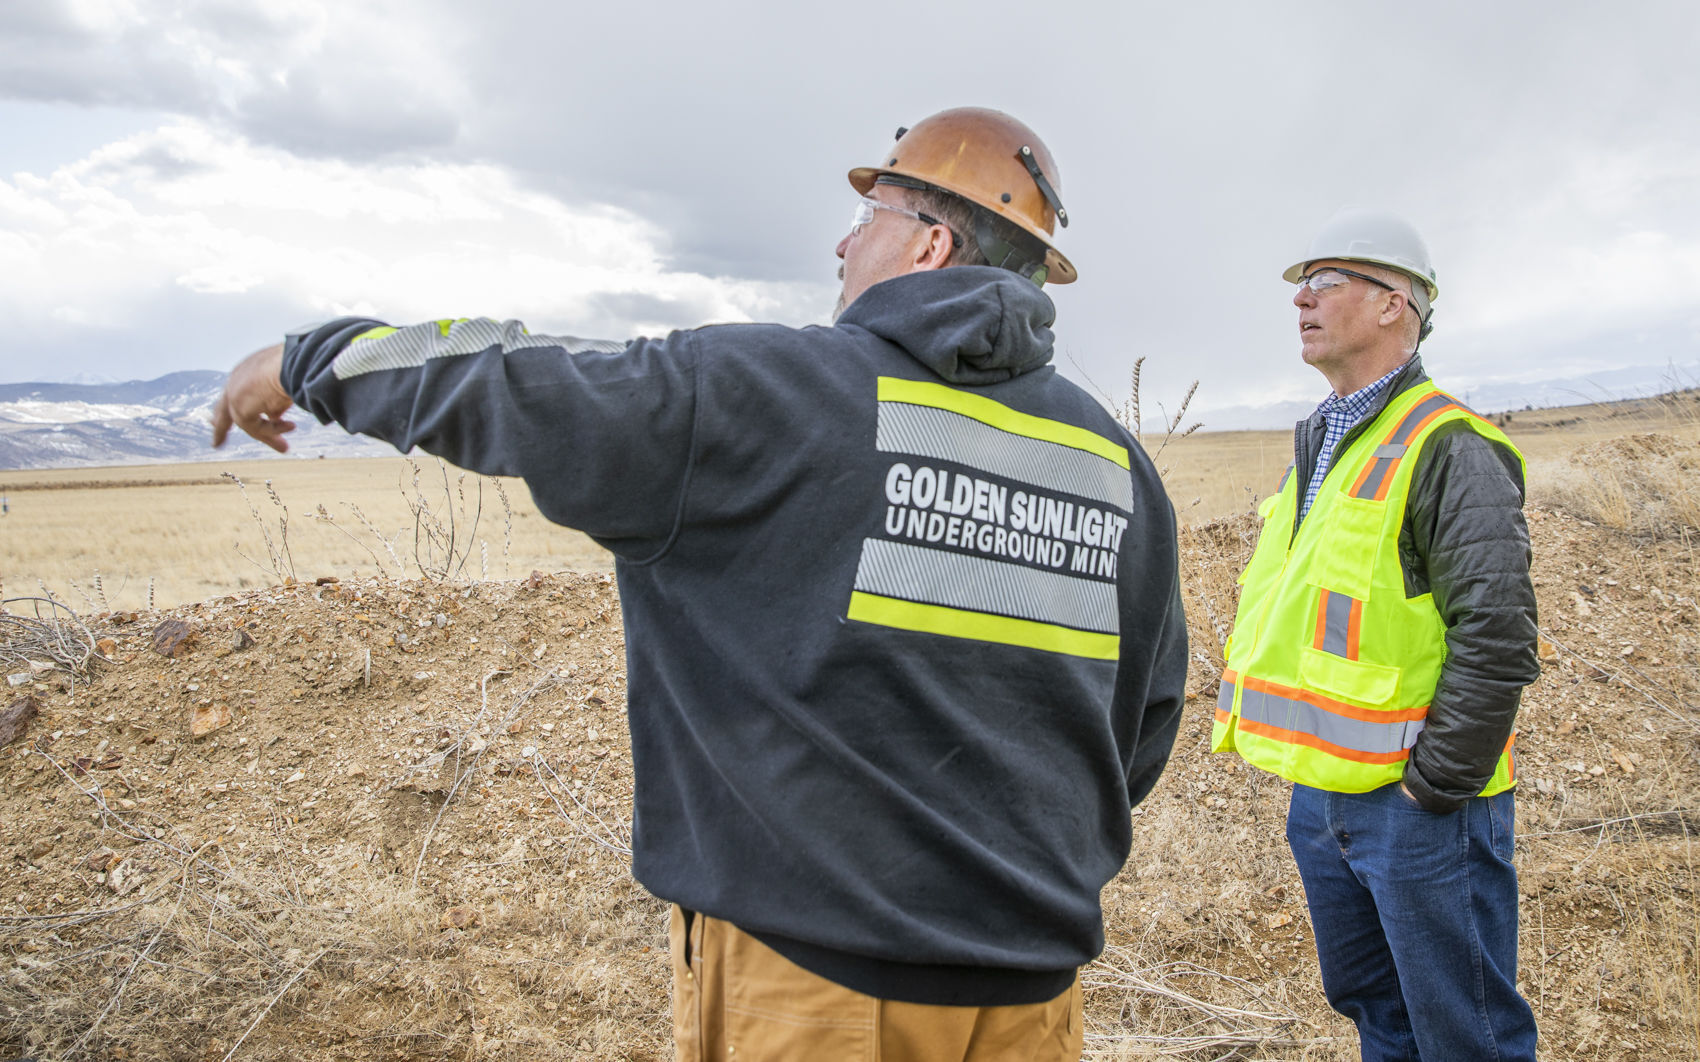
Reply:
x=1643, y=483
x=403, y=830
x=405, y=837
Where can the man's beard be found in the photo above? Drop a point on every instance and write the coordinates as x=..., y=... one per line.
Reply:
x=838, y=308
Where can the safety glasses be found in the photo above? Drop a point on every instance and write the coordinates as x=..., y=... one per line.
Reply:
x=865, y=208
x=1333, y=276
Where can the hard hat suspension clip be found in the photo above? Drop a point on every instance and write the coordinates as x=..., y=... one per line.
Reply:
x=1045, y=189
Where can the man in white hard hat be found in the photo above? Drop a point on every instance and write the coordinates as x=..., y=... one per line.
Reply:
x=904, y=632
x=1386, y=629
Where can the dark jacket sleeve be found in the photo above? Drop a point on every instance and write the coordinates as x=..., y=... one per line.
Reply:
x=602, y=434
x=1466, y=542
x=1151, y=681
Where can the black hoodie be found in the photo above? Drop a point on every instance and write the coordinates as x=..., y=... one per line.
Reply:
x=904, y=631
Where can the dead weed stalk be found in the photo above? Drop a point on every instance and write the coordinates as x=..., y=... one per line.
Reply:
x=615, y=836
x=469, y=746
x=1161, y=1015
x=441, y=544
x=1128, y=414
x=278, y=559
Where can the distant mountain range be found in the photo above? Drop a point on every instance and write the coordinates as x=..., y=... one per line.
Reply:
x=62, y=425
x=145, y=422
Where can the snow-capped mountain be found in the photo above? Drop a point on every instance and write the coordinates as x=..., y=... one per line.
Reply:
x=59, y=425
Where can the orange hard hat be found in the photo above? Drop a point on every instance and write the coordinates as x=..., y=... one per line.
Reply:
x=989, y=159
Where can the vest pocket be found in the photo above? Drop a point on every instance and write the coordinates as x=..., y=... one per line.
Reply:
x=1344, y=559
x=1349, y=680
x=1274, y=535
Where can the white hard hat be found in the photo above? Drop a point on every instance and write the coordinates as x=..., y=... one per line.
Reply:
x=1375, y=236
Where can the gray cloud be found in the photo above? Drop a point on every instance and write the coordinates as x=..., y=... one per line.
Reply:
x=349, y=116
x=313, y=82
x=156, y=160
x=1200, y=144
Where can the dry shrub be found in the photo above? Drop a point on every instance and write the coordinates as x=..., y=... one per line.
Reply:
x=1643, y=484
x=273, y=954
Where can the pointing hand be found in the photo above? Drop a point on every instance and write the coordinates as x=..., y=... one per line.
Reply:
x=255, y=401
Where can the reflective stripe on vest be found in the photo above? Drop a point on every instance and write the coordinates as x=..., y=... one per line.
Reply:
x=1338, y=619
x=1306, y=718
x=1379, y=472
x=1331, y=665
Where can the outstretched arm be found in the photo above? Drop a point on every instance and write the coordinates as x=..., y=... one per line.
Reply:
x=255, y=401
x=600, y=431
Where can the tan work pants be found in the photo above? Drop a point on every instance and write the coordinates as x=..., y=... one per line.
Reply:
x=740, y=1001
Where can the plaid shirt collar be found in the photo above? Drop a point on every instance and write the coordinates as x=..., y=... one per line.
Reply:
x=1341, y=415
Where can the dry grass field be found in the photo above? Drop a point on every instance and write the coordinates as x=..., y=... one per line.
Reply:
x=101, y=538
x=98, y=538
x=1217, y=474
x=407, y=837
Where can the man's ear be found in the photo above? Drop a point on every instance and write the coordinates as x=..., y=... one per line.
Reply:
x=1396, y=302
x=933, y=250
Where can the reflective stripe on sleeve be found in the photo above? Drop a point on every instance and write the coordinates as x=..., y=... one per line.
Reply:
x=384, y=348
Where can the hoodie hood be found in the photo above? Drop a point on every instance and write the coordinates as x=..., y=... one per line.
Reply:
x=969, y=324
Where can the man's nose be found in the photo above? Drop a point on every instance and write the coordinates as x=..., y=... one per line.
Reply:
x=842, y=244
x=1304, y=296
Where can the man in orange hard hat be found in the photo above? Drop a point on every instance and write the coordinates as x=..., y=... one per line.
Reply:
x=904, y=632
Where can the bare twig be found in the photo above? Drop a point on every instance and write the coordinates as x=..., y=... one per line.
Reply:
x=323, y=516
x=379, y=535
x=282, y=565
x=1685, y=720
x=308, y=965
x=612, y=838
x=58, y=636
x=1210, y=1025
x=460, y=776
x=1679, y=814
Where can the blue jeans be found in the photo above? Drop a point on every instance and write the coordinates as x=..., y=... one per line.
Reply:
x=1416, y=922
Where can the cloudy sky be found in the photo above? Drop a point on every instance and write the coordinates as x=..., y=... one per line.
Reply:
x=183, y=180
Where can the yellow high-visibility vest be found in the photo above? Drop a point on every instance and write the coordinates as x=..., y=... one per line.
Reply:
x=1330, y=667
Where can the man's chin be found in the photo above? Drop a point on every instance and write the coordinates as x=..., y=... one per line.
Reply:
x=838, y=308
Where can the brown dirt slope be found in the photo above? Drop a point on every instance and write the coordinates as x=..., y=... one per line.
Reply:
x=409, y=841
